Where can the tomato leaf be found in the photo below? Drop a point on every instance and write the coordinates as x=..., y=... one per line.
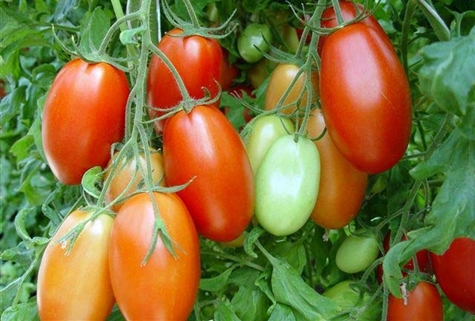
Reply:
x=224, y=312
x=282, y=312
x=250, y=303
x=90, y=181
x=93, y=30
x=23, y=311
x=216, y=283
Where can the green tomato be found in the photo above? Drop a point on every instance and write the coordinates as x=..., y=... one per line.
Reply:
x=265, y=131
x=254, y=41
x=356, y=253
x=287, y=185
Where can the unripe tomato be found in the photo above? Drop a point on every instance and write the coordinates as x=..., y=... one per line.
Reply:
x=342, y=186
x=76, y=285
x=265, y=131
x=281, y=81
x=255, y=39
x=287, y=185
x=197, y=59
x=365, y=98
x=423, y=303
x=164, y=287
x=84, y=115
x=127, y=176
x=259, y=72
x=356, y=253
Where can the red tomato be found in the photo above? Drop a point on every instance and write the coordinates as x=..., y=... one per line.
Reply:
x=455, y=272
x=165, y=287
x=228, y=72
x=76, y=286
x=84, y=115
x=365, y=98
x=202, y=145
x=128, y=172
x=342, y=187
x=280, y=81
x=198, y=60
x=423, y=304
x=349, y=11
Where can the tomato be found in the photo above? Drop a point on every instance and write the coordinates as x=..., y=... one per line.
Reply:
x=265, y=131
x=254, y=40
x=349, y=11
x=455, y=272
x=356, y=253
x=423, y=303
x=287, y=185
x=76, y=286
x=228, y=72
x=198, y=61
x=342, y=186
x=202, y=146
x=259, y=72
x=165, y=287
x=365, y=98
x=128, y=172
x=84, y=114
x=281, y=81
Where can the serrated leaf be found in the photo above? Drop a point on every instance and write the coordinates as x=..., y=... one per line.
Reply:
x=216, y=283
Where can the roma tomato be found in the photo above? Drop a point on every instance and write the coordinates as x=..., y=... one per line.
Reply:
x=455, y=272
x=356, y=253
x=128, y=175
x=423, y=303
x=201, y=146
x=84, y=114
x=287, y=185
x=76, y=285
x=342, y=186
x=349, y=11
x=198, y=61
x=288, y=86
x=165, y=286
x=265, y=130
x=365, y=98
x=254, y=40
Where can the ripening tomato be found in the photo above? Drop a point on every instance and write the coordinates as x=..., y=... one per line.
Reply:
x=423, y=303
x=296, y=97
x=356, y=253
x=84, y=114
x=128, y=175
x=342, y=186
x=455, y=272
x=349, y=11
x=165, y=286
x=202, y=146
x=365, y=98
x=76, y=285
x=287, y=185
x=265, y=131
x=198, y=60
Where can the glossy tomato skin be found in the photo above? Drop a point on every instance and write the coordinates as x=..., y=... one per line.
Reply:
x=455, y=273
x=356, y=253
x=287, y=185
x=84, y=114
x=165, y=287
x=423, y=303
x=349, y=11
x=265, y=131
x=202, y=146
x=198, y=60
x=76, y=286
x=342, y=186
x=280, y=81
x=128, y=172
x=365, y=98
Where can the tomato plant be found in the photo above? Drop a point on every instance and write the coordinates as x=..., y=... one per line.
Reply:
x=200, y=147
x=84, y=114
x=342, y=187
x=455, y=273
x=422, y=303
x=287, y=185
x=198, y=61
x=79, y=270
x=362, y=83
x=156, y=276
x=254, y=41
x=356, y=253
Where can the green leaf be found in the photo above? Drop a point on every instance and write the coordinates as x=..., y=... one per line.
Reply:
x=250, y=303
x=216, y=283
x=8, y=293
x=224, y=312
x=23, y=311
x=282, y=312
x=91, y=180
x=93, y=30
